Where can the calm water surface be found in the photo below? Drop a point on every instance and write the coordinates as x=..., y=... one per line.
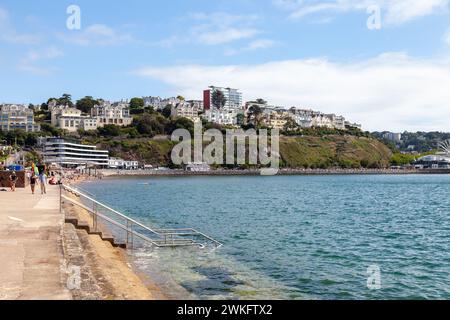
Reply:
x=295, y=237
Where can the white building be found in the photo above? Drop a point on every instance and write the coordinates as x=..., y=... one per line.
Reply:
x=188, y=109
x=233, y=98
x=395, y=137
x=159, y=103
x=120, y=164
x=116, y=114
x=198, y=167
x=71, y=119
x=14, y=116
x=71, y=154
x=226, y=117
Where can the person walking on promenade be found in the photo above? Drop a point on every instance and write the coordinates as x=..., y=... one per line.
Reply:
x=43, y=182
x=33, y=180
x=13, y=180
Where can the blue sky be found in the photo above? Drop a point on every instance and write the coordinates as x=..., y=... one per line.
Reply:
x=317, y=54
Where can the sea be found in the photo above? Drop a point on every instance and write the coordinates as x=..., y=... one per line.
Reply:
x=293, y=237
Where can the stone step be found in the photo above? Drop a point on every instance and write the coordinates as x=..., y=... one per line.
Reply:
x=83, y=225
x=119, y=244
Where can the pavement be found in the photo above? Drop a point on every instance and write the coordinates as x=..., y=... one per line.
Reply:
x=31, y=251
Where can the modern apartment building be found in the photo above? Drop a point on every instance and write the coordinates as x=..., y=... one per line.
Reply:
x=233, y=98
x=72, y=154
x=13, y=116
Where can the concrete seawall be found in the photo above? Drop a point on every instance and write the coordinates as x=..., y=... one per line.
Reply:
x=22, y=181
x=168, y=173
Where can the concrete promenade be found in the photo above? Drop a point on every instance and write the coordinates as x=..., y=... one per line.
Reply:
x=31, y=250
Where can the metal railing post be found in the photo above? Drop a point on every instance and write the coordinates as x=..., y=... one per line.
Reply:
x=60, y=199
x=94, y=216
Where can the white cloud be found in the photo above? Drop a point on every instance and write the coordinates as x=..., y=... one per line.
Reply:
x=224, y=35
x=97, y=34
x=9, y=34
x=447, y=37
x=389, y=92
x=258, y=44
x=216, y=28
x=33, y=58
x=395, y=11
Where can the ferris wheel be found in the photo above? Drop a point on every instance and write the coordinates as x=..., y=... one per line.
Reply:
x=445, y=146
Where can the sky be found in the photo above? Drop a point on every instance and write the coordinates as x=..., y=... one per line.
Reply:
x=382, y=63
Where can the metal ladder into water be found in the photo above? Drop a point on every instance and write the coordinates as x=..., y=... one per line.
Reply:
x=186, y=237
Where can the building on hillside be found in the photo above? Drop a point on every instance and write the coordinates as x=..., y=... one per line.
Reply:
x=88, y=124
x=14, y=116
x=188, y=109
x=303, y=118
x=52, y=104
x=233, y=98
x=72, y=154
x=117, y=114
x=349, y=125
x=71, y=119
x=262, y=104
x=159, y=103
x=277, y=121
x=226, y=117
x=391, y=136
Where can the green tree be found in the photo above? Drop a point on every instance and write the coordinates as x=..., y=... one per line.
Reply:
x=290, y=125
x=218, y=99
x=66, y=99
x=109, y=130
x=240, y=118
x=167, y=111
x=136, y=103
x=151, y=124
x=86, y=104
x=254, y=114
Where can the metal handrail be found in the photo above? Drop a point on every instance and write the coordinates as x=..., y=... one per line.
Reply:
x=160, y=233
x=123, y=227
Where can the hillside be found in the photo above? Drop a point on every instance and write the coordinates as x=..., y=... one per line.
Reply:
x=333, y=151
x=296, y=152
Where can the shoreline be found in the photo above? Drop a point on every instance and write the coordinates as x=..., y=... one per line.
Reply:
x=114, y=273
x=281, y=172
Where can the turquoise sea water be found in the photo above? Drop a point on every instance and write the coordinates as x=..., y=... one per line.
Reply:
x=295, y=237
